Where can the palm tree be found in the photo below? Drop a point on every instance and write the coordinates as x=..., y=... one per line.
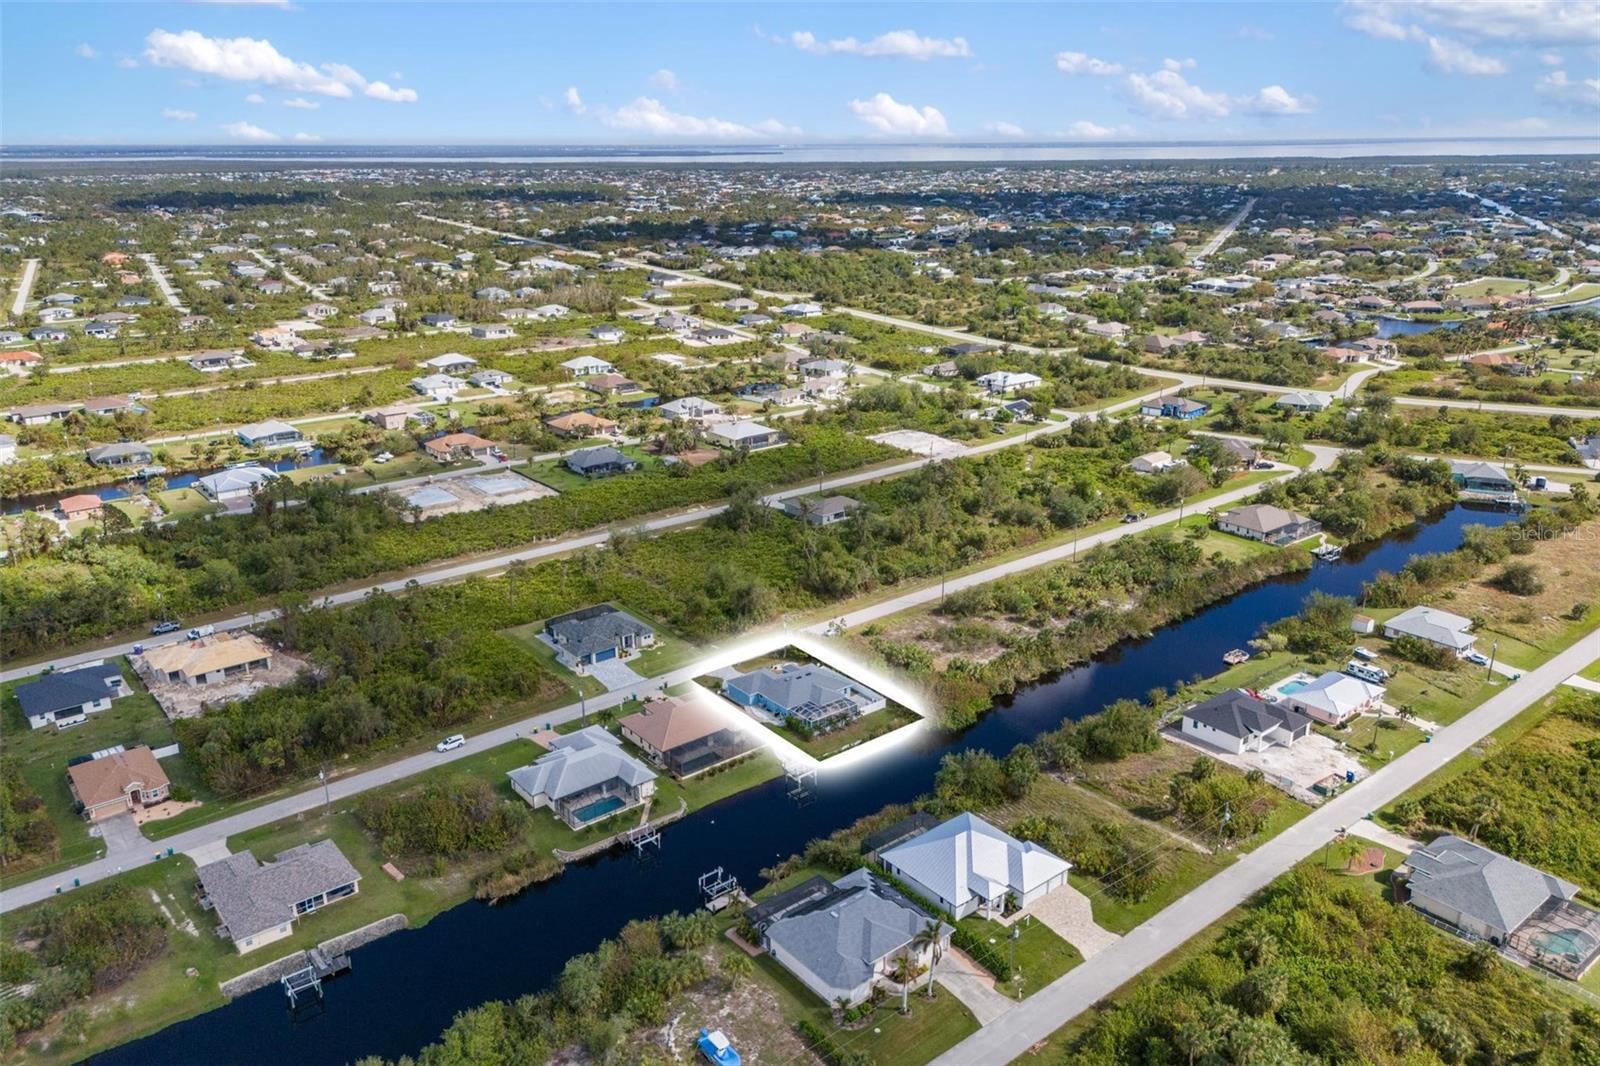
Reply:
x=930, y=936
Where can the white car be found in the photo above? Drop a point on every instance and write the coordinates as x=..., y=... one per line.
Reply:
x=383, y=457
x=450, y=743
x=1476, y=657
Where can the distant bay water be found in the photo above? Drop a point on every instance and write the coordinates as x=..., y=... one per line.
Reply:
x=846, y=153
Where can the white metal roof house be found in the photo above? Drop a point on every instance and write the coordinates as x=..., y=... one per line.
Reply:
x=1006, y=381
x=844, y=939
x=968, y=866
x=752, y=435
x=270, y=433
x=439, y=386
x=234, y=483
x=689, y=409
x=450, y=363
x=1335, y=698
x=1434, y=626
x=585, y=365
x=585, y=777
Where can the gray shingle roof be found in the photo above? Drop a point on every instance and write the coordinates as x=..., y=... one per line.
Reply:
x=66, y=690
x=793, y=686
x=841, y=937
x=251, y=897
x=1500, y=892
x=594, y=629
x=1239, y=714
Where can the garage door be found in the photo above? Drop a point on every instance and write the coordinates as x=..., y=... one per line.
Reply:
x=601, y=656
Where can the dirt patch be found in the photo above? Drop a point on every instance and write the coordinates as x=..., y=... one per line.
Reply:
x=162, y=811
x=750, y=1016
x=1566, y=567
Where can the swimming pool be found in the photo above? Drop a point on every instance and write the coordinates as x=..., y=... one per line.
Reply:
x=590, y=812
x=1289, y=688
x=1573, y=943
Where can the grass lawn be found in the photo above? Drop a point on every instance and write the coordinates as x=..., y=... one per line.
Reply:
x=527, y=635
x=1041, y=955
x=181, y=503
x=867, y=727
x=1592, y=671
x=1376, y=742
x=886, y=1036
x=554, y=472
x=43, y=753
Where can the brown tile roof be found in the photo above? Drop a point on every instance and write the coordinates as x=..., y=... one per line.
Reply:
x=666, y=723
x=105, y=779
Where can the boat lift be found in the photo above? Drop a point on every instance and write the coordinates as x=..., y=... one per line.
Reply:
x=719, y=889
x=802, y=784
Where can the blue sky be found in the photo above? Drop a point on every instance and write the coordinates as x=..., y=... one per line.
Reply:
x=287, y=72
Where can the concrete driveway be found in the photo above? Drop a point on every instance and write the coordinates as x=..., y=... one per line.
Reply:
x=972, y=985
x=616, y=675
x=122, y=836
x=1066, y=913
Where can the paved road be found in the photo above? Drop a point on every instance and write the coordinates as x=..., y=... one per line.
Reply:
x=293, y=279
x=204, y=839
x=1218, y=238
x=1058, y=1003
x=163, y=282
x=30, y=270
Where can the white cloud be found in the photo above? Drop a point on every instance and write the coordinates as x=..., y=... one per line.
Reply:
x=896, y=44
x=1550, y=59
x=301, y=103
x=307, y=137
x=252, y=59
x=1276, y=100
x=1179, y=64
x=885, y=114
x=246, y=131
x=1453, y=57
x=84, y=51
x=1083, y=63
x=573, y=101
x=1005, y=129
x=666, y=80
x=380, y=90
x=1168, y=94
x=650, y=116
x=1582, y=93
x=255, y=98
x=178, y=114
x=1085, y=128
x=127, y=63
x=1248, y=32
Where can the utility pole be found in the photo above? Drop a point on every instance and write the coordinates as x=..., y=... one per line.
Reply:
x=1016, y=934
x=1494, y=648
x=327, y=800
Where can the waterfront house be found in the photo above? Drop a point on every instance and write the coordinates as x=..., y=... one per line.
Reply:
x=1237, y=722
x=1267, y=523
x=684, y=735
x=258, y=903
x=967, y=866
x=1433, y=626
x=1471, y=475
x=269, y=434
x=125, y=453
x=815, y=696
x=689, y=409
x=585, y=777
x=234, y=483
x=845, y=938
x=1334, y=698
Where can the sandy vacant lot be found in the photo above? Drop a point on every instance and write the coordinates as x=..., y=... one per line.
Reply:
x=917, y=442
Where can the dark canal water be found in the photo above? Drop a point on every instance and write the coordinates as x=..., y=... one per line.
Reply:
x=406, y=987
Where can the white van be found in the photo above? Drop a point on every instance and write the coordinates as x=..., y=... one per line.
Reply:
x=450, y=743
x=201, y=631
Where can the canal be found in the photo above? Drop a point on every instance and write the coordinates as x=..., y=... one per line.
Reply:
x=406, y=987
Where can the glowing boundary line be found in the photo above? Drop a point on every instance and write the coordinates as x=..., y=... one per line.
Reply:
x=829, y=655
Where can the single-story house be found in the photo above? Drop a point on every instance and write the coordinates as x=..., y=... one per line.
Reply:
x=208, y=660
x=1154, y=463
x=821, y=512
x=258, y=903
x=1008, y=381
x=109, y=406
x=595, y=634
x=752, y=435
x=1335, y=698
x=1476, y=890
x=83, y=505
x=1304, y=401
x=38, y=414
x=684, y=735
x=212, y=362
x=490, y=379
x=1237, y=722
x=234, y=483
x=458, y=446
x=968, y=866
x=818, y=696
x=585, y=777
x=118, y=782
x=450, y=363
x=1473, y=475
x=125, y=453
x=607, y=332
x=580, y=424
x=585, y=365
x=269, y=434
x=1267, y=523
x=603, y=461
x=1180, y=407
x=847, y=937
x=68, y=697
x=612, y=384
x=442, y=387
x=1434, y=626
